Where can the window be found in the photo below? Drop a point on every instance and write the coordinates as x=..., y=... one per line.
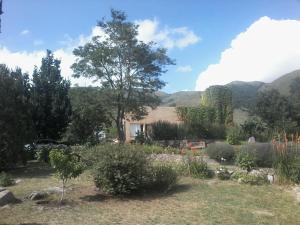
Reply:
x=134, y=128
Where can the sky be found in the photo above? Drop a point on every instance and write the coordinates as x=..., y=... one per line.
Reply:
x=212, y=41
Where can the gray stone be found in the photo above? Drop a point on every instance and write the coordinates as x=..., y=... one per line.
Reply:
x=37, y=195
x=17, y=181
x=6, y=197
x=2, y=189
x=251, y=140
x=53, y=190
x=297, y=192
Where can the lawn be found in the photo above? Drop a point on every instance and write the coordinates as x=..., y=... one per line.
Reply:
x=193, y=201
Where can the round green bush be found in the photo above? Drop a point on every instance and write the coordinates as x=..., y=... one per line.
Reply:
x=161, y=178
x=221, y=152
x=121, y=169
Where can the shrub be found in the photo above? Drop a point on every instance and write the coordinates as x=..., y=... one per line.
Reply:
x=156, y=149
x=5, y=179
x=120, y=169
x=245, y=160
x=218, y=151
x=43, y=150
x=233, y=136
x=197, y=168
x=223, y=173
x=163, y=130
x=248, y=178
x=161, y=178
x=262, y=153
x=66, y=165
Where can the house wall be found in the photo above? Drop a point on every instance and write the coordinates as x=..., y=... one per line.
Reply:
x=160, y=113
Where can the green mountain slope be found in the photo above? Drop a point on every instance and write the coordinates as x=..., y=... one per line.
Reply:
x=244, y=93
x=181, y=98
x=282, y=84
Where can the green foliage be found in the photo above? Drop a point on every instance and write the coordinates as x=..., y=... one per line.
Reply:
x=129, y=69
x=161, y=178
x=287, y=162
x=220, y=99
x=156, y=149
x=66, y=165
x=252, y=179
x=5, y=179
x=245, y=160
x=200, y=122
x=43, y=151
x=277, y=111
x=89, y=117
x=223, y=173
x=50, y=99
x=120, y=169
x=164, y=130
x=219, y=151
x=15, y=116
x=261, y=153
x=140, y=137
x=254, y=127
x=196, y=168
x=234, y=135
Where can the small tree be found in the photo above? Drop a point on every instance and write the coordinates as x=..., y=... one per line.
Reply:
x=67, y=166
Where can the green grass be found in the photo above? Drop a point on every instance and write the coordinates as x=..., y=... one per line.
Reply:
x=193, y=201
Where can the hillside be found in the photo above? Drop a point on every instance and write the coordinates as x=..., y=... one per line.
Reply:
x=244, y=93
x=282, y=84
x=181, y=98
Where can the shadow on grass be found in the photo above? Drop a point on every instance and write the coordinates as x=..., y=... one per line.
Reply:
x=142, y=196
x=33, y=169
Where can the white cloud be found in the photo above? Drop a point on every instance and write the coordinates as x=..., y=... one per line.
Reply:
x=180, y=37
x=38, y=42
x=266, y=50
x=24, y=32
x=184, y=69
x=27, y=60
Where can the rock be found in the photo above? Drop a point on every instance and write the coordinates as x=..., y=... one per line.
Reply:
x=7, y=197
x=53, y=190
x=37, y=195
x=297, y=192
x=251, y=140
x=17, y=181
x=270, y=178
x=2, y=189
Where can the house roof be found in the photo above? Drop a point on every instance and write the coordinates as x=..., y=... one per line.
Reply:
x=160, y=113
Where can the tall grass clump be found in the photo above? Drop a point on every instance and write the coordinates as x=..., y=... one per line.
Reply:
x=287, y=159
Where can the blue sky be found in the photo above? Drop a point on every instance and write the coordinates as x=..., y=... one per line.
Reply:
x=31, y=26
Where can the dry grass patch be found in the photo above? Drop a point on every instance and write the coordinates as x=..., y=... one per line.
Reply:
x=191, y=202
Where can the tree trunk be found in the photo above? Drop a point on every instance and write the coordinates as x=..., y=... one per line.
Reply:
x=63, y=192
x=120, y=128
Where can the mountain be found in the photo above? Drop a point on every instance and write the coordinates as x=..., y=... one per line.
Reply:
x=244, y=93
x=181, y=98
x=282, y=84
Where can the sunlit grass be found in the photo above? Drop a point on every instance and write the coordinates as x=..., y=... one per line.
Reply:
x=193, y=201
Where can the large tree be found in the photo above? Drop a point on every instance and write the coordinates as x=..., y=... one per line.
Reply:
x=89, y=117
x=50, y=99
x=128, y=70
x=15, y=116
x=276, y=110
